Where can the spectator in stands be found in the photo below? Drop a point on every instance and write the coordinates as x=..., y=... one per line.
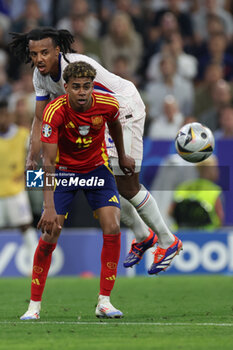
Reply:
x=131, y=7
x=216, y=53
x=198, y=203
x=200, y=19
x=183, y=18
x=15, y=211
x=5, y=86
x=186, y=64
x=225, y=130
x=204, y=90
x=122, y=39
x=157, y=36
x=31, y=18
x=121, y=67
x=221, y=97
x=166, y=126
x=169, y=84
x=79, y=12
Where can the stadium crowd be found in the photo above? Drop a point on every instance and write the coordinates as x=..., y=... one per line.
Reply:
x=178, y=53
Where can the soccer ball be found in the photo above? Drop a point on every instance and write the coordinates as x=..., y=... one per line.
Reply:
x=194, y=142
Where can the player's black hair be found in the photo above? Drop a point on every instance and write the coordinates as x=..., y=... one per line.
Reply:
x=19, y=44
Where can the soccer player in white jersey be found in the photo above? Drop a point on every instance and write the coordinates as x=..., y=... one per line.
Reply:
x=49, y=50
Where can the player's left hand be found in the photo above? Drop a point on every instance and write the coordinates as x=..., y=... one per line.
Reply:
x=127, y=165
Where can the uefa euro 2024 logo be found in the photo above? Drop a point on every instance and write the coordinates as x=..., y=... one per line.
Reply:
x=35, y=178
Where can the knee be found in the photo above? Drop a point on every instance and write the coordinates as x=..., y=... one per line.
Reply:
x=24, y=228
x=53, y=237
x=128, y=188
x=128, y=193
x=112, y=228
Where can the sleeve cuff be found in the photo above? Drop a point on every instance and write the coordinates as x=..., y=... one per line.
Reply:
x=42, y=98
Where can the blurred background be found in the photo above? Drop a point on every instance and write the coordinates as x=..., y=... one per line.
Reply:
x=179, y=54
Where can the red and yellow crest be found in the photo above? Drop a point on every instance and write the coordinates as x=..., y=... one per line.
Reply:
x=97, y=121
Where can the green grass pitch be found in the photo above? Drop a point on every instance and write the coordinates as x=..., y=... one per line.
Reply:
x=163, y=312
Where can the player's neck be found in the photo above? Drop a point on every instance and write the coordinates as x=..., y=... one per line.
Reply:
x=80, y=108
x=55, y=70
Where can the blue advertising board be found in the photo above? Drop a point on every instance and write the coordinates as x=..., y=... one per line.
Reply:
x=78, y=254
x=203, y=253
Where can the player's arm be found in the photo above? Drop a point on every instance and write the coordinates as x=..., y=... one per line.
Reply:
x=126, y=163
x=49, y=218
x=35, y=143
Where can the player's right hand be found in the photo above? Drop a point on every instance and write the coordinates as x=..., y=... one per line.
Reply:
x=31, y=164
x=49, y=222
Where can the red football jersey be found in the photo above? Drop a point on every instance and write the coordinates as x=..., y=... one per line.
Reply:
x=79, y=135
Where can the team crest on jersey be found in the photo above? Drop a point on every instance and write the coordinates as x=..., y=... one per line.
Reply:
x=97, y=121
x=46, y=130
x=84, y=129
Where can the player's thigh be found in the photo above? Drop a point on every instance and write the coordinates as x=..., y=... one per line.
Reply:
x=63, y=201
x=132, y=137
x=117, y=170
x=18, y=210
x=109, y=219
x=128, y=186
x=104, y=200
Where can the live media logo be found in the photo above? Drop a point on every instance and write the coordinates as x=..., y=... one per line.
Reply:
x=35, y=178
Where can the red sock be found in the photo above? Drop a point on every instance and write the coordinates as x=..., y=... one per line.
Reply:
x=41, y=265
x=109, y=260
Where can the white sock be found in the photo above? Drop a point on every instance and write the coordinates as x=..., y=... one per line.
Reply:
x=34, y=305
x=148, y=210
x=132, y=220
x=30, y=240
x=103, y=297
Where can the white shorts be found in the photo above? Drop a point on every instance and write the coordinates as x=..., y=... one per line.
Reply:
x=15, y=210
x=132, y=118
x=117, y=170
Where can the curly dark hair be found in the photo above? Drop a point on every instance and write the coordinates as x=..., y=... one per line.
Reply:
x=79, y=69
x=19, y=44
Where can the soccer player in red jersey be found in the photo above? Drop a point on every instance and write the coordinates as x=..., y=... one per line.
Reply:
x=73, y=147
x=49, y=50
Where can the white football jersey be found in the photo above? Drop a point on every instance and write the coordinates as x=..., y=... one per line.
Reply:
x=106, y=82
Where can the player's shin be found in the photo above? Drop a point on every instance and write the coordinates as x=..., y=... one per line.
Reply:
x=41, y=265
x=147, y=208
x=132, y=220
x=109, y=261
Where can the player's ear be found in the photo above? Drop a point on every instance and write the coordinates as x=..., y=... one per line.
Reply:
x=65, y=86
x=57, y=49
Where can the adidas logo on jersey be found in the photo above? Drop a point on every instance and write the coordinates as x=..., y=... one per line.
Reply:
x=70, y=125
x=114, y=199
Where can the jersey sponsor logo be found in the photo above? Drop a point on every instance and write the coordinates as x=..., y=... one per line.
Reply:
x=46, y=130
x=97, y=121
x=84, y=129
x=70, y=125
x=111, y=265
x=114, y=199
x=35, y=178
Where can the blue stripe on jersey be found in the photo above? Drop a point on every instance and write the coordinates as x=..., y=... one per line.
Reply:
x=101, y=88
x=42, y=98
